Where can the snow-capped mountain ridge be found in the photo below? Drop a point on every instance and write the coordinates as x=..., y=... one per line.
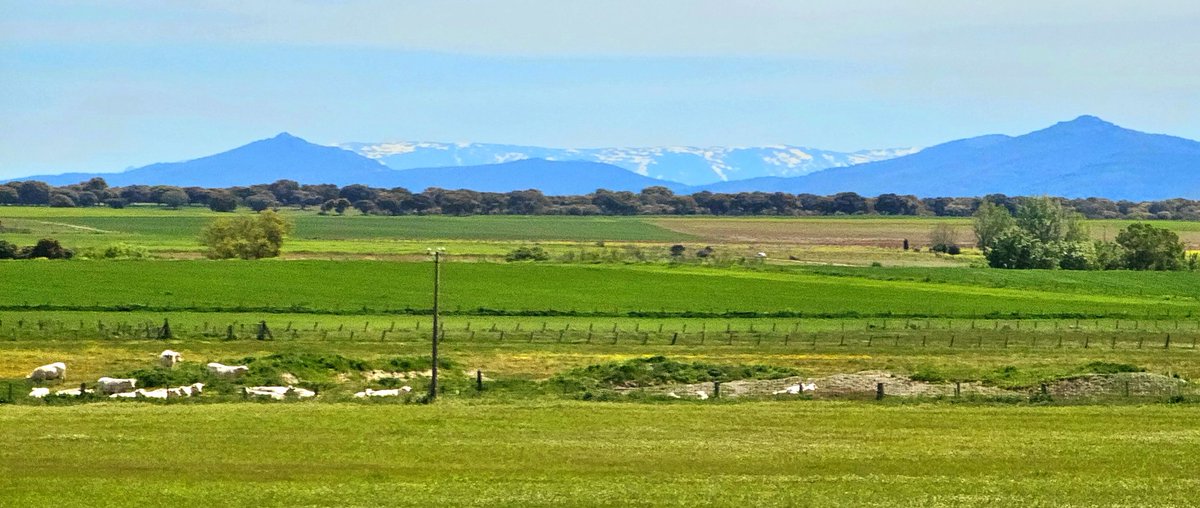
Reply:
x=686, y=164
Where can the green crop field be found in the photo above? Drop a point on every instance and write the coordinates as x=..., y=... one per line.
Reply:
x=365, y=286
x=562, y=454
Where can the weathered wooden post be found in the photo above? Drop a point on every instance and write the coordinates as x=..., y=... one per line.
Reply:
x=716, y=389
x=433, y=368
x=479, y=380
x=878, y=391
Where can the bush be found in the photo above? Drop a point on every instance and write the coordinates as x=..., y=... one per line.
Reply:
x=953, y=250
x=1111, y=368
x=8, y=250
x=120, y=250
x=48, y=248
x=659, y=370
x=256, y=237
x=534, y=253
x=116, y=203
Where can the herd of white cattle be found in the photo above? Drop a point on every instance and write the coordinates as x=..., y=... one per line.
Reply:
x=126, y=388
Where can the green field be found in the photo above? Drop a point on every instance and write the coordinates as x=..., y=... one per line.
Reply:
x=1080, y=385
x=378, y=287
x=562, y=454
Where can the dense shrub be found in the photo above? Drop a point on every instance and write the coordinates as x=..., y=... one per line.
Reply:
x=525, y=253
x=255, y=237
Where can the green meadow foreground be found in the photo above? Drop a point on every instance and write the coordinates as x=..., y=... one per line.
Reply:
x=600, y=454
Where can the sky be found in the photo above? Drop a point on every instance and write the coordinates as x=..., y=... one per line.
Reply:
x=102, y=86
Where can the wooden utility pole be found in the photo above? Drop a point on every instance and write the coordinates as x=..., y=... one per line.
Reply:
x=433, y=379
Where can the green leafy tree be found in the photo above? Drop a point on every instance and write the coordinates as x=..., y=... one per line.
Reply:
x=246, y=237
x=260, y=202
x=8, y=195
x=174, y=198
x=991, y=221
x=62, y=201
x=222, y=202
x=1045, y=219
x=1152, y=248
x=1015, y=248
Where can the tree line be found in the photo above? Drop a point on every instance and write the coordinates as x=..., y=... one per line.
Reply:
x=332, y=199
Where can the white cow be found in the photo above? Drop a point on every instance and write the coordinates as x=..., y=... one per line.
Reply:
x=673, y=395
x=186, y=391
x=279, y=392
x=160, y=393
x=809, y=387
x=791, y=390
x=39, y=392
x=169, y=358
x=227, y=371
x=395, y=392
x=110, y=385
x=702, y=395
x=56, y=370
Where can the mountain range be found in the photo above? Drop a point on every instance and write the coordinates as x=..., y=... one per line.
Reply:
x=689, y=165
x=1083, y=157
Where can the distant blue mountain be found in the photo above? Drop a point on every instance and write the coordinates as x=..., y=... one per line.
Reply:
x=685, y=164
x=1080, y=158
x=550, y=177
x=289, y=157
x=282, y=157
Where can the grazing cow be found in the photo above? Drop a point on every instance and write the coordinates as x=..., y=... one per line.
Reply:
x=791, y=390
x=280, y=392
x=56, y=370
x=186, y=391
x=395, y=392
x=111, y=385
x=809, y=387
x=406, y=388
x=674, y=395
x=169, y=358
x=762, y=254
x=161, y=393
x=701, y=395
x=39, y=392
x=227, y=371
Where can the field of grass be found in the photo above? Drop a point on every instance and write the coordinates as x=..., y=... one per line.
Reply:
x=351, y=289
x=571, y=453
x=608, y=289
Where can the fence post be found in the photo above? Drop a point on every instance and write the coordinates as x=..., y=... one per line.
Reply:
x=674, y=337
x=878, y=391
x=957, y=388
x=479, y=380
x=716, y=389
x=1167, y=345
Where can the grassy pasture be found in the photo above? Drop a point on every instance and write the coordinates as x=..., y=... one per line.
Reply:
x=369, y=286
x=570, y=453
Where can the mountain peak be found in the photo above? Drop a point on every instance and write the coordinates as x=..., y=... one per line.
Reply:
x=1088, y=121
x=286, y=136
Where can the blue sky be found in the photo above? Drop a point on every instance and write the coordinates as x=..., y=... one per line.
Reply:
x=99, y=86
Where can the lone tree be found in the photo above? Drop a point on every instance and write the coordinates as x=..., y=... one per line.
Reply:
x=246, y=237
